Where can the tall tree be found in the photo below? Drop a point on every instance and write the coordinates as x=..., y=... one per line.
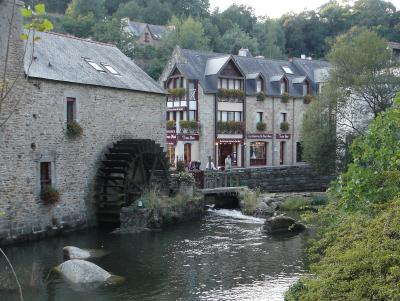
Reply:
x=271, y=38
x=234, y=39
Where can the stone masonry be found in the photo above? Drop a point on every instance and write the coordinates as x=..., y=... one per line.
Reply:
x=36, y=133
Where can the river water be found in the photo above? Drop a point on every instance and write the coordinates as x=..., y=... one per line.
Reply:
x=225, y=256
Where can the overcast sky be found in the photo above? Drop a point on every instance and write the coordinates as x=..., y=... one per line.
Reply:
x=276, y=8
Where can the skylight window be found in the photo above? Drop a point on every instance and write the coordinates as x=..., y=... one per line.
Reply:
x=287, y=70
x=111, y=69
x=95, y=65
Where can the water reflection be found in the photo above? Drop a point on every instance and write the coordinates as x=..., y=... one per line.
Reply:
x=223, y=257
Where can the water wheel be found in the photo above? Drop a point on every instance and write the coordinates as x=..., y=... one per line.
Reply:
x=130, y=168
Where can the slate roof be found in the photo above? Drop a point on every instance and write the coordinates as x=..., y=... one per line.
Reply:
x=62, y=58
x=197, y=63
x=157, y=31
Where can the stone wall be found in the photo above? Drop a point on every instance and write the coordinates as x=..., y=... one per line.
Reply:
x=271, y=179
x=36, y=133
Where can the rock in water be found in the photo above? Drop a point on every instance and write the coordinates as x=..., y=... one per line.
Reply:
x=71, y=252
x=82, y=272
x=282, y=224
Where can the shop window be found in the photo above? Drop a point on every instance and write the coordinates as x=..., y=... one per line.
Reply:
x=258, y=153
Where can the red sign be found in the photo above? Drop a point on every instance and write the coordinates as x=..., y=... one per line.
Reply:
x=173, y=131
x=259, y=135
x=282, y=136
x=188, y=137
x=229, y=140
x=171, y=138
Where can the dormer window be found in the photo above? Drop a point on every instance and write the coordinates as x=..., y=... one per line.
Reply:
x=94, y=65
x=259, y=84
x=306, y=88
x=110, y=69
x=284, y=85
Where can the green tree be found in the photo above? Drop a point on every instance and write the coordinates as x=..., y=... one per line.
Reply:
x=271, y=38
x=241, y=15
x=85, y=7
x=188, y=34
x=79, y=26
x=234, y=39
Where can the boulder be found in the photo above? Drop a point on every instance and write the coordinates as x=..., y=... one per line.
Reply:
x=71, y=252
x=282, y=224
x=80, y=271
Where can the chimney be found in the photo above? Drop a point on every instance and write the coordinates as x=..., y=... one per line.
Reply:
x=244, y=52
x=303, y=56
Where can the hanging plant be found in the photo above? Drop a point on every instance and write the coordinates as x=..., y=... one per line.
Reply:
x=171, y=125
x=261, y=126
x=285, y=97
x=193, y=125
x=231, y=93
x=307, y=99
x=74, y=130
x=49, y=195
x=284, y=126
x=184, y=124
x=261, y=96
x=177, y=92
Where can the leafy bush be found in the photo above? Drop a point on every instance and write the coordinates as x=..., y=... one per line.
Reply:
x=74, y=130
x=184, y=124
x=180, y=166
x=230, y=126
x=307, y=99
x=193, y=125
x=49, y=195
x=285, y=97
x=261, y=96
x=284, y=126
x=357, y=259
x=296, y=204
x=171, y=124
x=185, y=178
x=261, y=126
x=177, y=92
x=374, y=176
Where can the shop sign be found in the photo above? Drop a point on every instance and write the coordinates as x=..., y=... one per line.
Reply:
x=171, y=138
x=282, y=136
x=170, y=132
x=188, y=137
x=176, y=109
x=259, y=135
x=229, y=140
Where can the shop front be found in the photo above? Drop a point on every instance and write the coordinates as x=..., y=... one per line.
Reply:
x=229, y=147
x=258, y=144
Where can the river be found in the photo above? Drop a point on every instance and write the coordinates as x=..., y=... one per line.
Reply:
x=225, y=256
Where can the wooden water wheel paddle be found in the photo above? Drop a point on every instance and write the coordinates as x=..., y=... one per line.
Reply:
x=130, y=168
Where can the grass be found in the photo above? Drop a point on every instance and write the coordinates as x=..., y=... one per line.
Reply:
x=302, y=203
x=249, y=199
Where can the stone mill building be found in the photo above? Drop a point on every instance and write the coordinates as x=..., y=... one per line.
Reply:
x=73, y=101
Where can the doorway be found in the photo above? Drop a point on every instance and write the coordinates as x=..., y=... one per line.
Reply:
x=187, y=153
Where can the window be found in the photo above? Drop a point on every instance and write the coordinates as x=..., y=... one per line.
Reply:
x=111, y=69
x=229, y=116
x=45, y=174
x=94, y=65
x=238, y=84
x=299, y=152
x=259, y=85
x=284, y=86
x=187, y=153
x=192, y=115
x=258, y=153
x=238, y=116
x=287, y=69
x=71, y=109
x=146, y=37
x=306, y=88
x=224, y=84
x=283, y=117
x=259, y=117
x=282, y=153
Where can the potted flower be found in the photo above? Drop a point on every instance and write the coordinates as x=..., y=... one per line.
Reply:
x=261, y=126
x=49, y=195
x=193, y=125
x=285, y=97
x=261, y=96
x=177, y=92
x=307, y=99
x=184, y=124
x=171, y=124
x=284, y=126
x=74, y=129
